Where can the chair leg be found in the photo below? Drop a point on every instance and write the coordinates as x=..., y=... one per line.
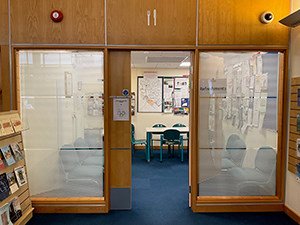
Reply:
x=181, y=151
x=173, y=151
x=160, y=153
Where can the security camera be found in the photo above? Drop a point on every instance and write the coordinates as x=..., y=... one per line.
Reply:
x=266, y=17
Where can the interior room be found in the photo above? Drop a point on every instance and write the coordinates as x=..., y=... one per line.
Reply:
x=159, y=104
x=160, y=91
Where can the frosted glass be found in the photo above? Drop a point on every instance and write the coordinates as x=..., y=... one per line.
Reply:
x=61, y=95
x=238, y=123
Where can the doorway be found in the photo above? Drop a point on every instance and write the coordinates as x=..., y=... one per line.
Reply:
x=160, y=84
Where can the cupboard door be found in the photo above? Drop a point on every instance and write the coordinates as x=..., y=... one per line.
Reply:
x=127, y=22
x=83, y=22
x=237, y=22
x=175, y=22
x=4, y=22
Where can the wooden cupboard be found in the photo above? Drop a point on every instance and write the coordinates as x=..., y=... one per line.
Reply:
x=4, y=22
x=237, y=22
x=83, y=22
x=151, y=22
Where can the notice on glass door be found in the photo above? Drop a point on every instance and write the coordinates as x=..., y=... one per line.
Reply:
x=120, y=109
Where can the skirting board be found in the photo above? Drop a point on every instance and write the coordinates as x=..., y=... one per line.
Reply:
x=238, y=208
x=292, y=214
x=69, y=209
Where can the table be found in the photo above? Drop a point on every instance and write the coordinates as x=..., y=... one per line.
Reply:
x=160, y=130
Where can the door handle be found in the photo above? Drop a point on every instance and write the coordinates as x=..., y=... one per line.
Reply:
x=148, y=17
x=154, y=17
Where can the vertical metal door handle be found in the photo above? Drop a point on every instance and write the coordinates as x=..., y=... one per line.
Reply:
x=148, y=17
x=154, y=17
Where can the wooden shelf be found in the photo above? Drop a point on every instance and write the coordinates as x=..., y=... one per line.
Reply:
x=11, y=167
x=293, y=159
x=23, y=192
x=25, y=217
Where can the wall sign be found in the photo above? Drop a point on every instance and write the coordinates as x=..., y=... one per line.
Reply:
x=56, y=16
x=120, y=108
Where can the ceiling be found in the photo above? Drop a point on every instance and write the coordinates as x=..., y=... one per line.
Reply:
x=159, y=59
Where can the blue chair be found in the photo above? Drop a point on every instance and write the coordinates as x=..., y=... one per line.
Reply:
x=234, y=154
x=135, y=141
x=179, y=125
x=187, y=136
x=171, y=137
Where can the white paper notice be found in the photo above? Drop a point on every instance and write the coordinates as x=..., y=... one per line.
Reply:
x=121, y=109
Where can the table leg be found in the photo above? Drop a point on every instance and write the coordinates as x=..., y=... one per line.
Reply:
x=148, y=146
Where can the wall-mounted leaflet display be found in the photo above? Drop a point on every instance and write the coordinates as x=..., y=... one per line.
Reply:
x=15, y=203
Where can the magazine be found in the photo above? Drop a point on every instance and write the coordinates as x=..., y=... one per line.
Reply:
x=1, y=129
x=8, y=156
x=4, y=187
x=4, y=214
x=15, y=211
x=13, y=186
x=17, y=124
x=7, y=127
x=20, y=175
x=16, y=150
x=2, y=165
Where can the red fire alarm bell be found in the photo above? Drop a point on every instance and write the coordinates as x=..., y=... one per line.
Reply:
x=56, y=16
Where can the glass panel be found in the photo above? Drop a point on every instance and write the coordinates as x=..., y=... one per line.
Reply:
x=238, y=123
x=62, y=102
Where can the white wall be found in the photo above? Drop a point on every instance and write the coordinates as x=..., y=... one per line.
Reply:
x=143, y=120
x=292, y=186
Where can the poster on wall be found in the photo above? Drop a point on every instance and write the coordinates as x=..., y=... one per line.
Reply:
x=168, y=95
x=150, y=93
x=181, y=95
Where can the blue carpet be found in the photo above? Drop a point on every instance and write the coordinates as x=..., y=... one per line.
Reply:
x=160, y=197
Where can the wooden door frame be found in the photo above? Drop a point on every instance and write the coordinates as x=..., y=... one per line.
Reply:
x=246, y=203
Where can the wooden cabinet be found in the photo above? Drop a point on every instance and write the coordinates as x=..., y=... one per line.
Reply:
x=83, y=22
x=3, y=22
x=151, y=22
x=237, y=22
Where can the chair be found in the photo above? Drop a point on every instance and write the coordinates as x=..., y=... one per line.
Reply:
x=135, y=141
x=171, y=137
x=179, y=125
x=234, y=154
x=261, y=179
x=155, y=139
x=76, y=171
x=187, y=135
